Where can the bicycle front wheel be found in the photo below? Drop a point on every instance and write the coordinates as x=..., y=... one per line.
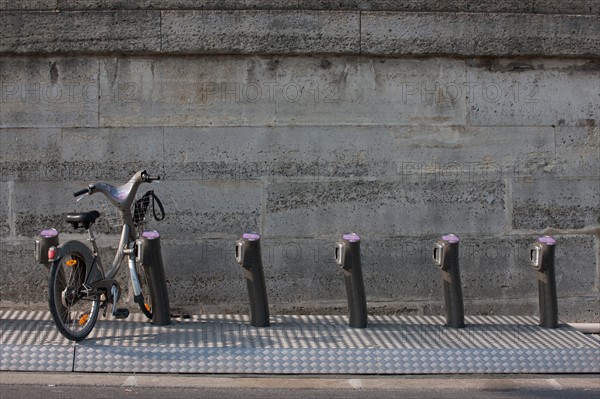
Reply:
x=74, y=312
x=146, y=301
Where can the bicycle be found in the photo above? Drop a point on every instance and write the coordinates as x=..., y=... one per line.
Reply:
x=78, y=288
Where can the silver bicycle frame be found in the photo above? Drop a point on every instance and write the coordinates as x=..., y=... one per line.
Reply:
x=125, y=245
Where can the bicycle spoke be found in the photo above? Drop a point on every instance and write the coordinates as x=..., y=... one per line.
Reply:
x=74, y=313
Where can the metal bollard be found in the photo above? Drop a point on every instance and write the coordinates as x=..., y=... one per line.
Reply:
x=541, y=256
x=445, y=255
x=150, y=255
x=347, y=256
x=248, y=255
x=47, y=238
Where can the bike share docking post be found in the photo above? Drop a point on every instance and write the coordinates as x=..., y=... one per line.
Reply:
x=150, y=256
x=248, y=255
x=445, y=255
x=347, y=256
x=541, y=256
x=46, y=240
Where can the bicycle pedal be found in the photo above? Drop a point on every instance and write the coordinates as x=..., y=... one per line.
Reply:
x=121, y=313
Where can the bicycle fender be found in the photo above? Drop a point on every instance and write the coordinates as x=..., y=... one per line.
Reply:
x=92, y=273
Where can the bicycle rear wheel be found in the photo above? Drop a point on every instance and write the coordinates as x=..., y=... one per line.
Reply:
x=146, y=301
x=73, y=312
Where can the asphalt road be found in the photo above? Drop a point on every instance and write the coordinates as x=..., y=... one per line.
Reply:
x=81, y=385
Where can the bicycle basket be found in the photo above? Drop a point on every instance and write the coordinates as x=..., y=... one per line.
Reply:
x=140, y=207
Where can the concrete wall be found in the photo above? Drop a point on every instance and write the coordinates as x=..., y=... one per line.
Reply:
x=303, y=120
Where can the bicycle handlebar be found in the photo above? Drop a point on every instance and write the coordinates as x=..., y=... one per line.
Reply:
x=81, y=192
x=150, y=179
x=121, y=196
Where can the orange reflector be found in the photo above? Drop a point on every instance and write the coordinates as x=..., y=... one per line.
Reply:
x=148, y=308
x=71, y=262
x=83, y=319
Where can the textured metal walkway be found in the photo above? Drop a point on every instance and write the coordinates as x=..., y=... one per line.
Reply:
x=299, y=345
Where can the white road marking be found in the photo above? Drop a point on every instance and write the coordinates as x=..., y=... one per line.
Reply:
x=356, y=384
x=130, y=381
x=554, y=384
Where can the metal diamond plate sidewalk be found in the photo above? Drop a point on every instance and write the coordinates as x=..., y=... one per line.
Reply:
x=299, y=345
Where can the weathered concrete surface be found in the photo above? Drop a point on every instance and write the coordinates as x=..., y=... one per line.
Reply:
x=342, y=91
x=306, y=209
x=534, y=93
x=23, y=282
x=5, y=210
x=205, y=208
x=394, y=153
x=301, y=148
x=28, y=4
x=302, y=154
x=117, y=153
x=556, y=203
x=259, y=91
x=85, y=32
x=48, y=92
x=300, y=31
x=476, y=34
x=510, y=6
x=567, y=7
x=30, y=154
x=400, y=153
x=36, y=204
x=578, y=151
x=231, y=32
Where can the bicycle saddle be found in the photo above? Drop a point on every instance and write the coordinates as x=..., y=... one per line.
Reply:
x=86, y=219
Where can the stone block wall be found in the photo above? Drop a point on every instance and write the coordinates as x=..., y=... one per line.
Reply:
x=303, y=120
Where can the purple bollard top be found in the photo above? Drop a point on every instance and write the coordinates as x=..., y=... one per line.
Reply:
x=547, y=240
x=48, y=233
x=351, y=237
x=251, y=236
x=451, y=238
x=151, y=234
